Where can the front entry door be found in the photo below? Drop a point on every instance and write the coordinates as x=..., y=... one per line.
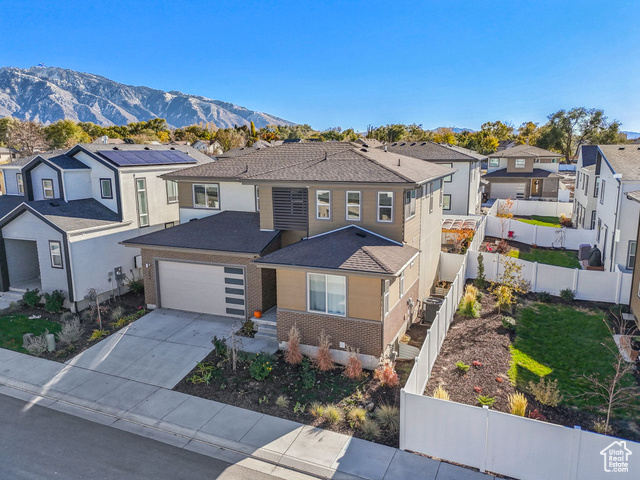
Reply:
x=536, y=187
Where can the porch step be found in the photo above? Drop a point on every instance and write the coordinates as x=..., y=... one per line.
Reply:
x=269, y=322
x=11, y=296
x=270, y=335
x=17, y=290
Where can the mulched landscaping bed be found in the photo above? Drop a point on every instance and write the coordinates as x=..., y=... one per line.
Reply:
x=485, y=340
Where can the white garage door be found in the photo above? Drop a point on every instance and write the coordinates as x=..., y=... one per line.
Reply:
x=202, y=288
x=507, y=190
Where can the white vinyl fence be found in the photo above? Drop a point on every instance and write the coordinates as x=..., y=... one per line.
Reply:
x=526, y=208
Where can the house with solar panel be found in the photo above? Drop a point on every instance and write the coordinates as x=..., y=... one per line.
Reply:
x=331, y=236
x=65, y=212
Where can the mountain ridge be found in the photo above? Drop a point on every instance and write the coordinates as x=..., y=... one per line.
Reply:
x=49, y=94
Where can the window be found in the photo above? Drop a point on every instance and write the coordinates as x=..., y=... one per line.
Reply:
x=409, y=204
x=20, y=183
x=327, y=294
x=442, y=196
x=105, y=188
x=56, y=254
x=385, y=206
x=386, y=297
x=593, y=220
x=494, y=162
x=169, y=224
x=206, y=196
x=446, y=203
x=323, y=205
x=631, y=254
x=602, y=185
x=598, y=230
x=401, y=284
x=353, y=206
x=172, y=191
x=143, y=207
x=257, y=198
x=520, y=162
x=47, y=188
x=430, y=186
x=447, y=179
x=586, y=183
x=596, y=189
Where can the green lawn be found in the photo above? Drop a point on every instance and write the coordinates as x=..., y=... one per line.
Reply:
x=12, y=327
x=560, y=258
x=561, y=343
x=541, y=221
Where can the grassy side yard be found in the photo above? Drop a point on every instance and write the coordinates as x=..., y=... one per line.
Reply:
x=560, y=258
x=541, y=221
x=13, y=327
x=563, y=343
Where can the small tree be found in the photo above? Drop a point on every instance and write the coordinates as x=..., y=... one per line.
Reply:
x=481, y=280
x=504, y=214
x=96, y=309
x=461, y=239
x=508, y=283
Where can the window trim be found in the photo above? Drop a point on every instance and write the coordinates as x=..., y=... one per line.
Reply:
x=205, y=185
x=631, y=264
x=596, y=188
x=326, y=293
x=491, y=162
x=346, y=207
x=598, y=228
x=401, y=284
x=602, y=185
x=585, y=181
x=448, y=178
x=443, y=196
x=412, y=195
x=138, y=191
x=20, y=183
x=169, y=198
x=257, y=196
x=378, y=219
x=385, y=298
x=51, y=254
x=44, y=189
x=517, y=160
x=593, y=220
x=318, y=217
x=102, y=195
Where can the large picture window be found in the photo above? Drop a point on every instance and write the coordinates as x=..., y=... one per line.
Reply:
x=354, y=205
x=323, y=204
x=47, y=188
x=143, y=205
x=385, y=206
x=206, y=195
x=20, y=183
x=327, y=294
x=56, y=254
x=172, y=191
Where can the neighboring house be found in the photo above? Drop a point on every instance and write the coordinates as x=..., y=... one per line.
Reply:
x=505, y=144
x=585, y=194
x=523, y=172
x=337, y=236
x=207, y=147
x=462, y=193
x=617, y=179
x=109, y=141
x=7, y=155
x=65, y=213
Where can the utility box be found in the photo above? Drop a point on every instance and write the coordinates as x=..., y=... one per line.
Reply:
x=583, y=251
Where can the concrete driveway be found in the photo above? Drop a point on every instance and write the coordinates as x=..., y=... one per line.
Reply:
x=160, y=348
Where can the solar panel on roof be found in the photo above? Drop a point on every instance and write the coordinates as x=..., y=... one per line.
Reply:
x=127, y=158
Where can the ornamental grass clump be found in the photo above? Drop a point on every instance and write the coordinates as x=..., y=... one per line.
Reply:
x=440, y=393
x=71, y=331
x=388, y=416
x=332, y=414
x=370, y=429
x=323, y=358
x=353, y=369
x=356, y=416
x=469, y=305
x=316, y=409
x=546, y=392
x=292, y=354
x=518, y=404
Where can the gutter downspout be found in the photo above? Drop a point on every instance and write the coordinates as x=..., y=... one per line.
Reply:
x=618, y=177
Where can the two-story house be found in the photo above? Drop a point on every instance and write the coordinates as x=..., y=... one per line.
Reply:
x=462, y=193
x=65, y=213
x=586, y=188
x=337, y=236
x=523, y=172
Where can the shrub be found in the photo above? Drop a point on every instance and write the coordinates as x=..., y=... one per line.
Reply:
x=31, y=297
x=37, y=345
x=293, y=355
x=316, y=409
x=261, y=366
x=469, y=306
x=220, y=346
x=353, y=369
x=486, y=400
x=509, y=323
x=282, y=401
x=98, y=334
x=71, y=331
x=356, y=416
x=248, y=328
x=565, y=221
x=332, y=414
x=536, y=415
x=481, y=279
x=117, y=313
x=53, y=301
x=386, y=374
x=502, y=247
x=440, y=393
x=388, y=416
x=600, y=426
x=463, y=367
x=544, y=297
x=546, y=392
x=308, y=376
x=518, y=404
x=323, y=358
x=567, y=295
x=135, y=284
x=370, y=429
x=67, y=316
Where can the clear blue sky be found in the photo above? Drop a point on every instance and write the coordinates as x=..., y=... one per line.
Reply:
x=350, y=64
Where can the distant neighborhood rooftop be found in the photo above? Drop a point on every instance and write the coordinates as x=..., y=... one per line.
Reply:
x=432, y=151
x=536, y=173
x=524, y=151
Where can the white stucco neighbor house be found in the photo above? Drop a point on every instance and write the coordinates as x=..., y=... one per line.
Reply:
x=462, y=194
x=585, y=195
x=65, y=213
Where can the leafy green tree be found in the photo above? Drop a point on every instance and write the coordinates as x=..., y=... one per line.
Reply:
x=5, y=125
x=528, y=133
x=65, y=134
x=254, y=133
x=230, y=138
x=498, y=129
x=445, y=135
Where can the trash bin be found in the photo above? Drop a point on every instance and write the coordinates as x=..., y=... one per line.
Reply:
x=430, y=307
x=583, y=251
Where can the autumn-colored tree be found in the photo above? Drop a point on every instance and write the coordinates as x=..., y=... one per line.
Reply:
x=528, y=134
x=28, y=137
x=65, y=134
x=444, y=135
x=508, y=283
x=504, y=214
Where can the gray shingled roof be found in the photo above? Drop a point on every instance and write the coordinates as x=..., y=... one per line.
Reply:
x=430, y=151
x=9, y=202
x=22, y=161
x=635, y=195
x=227, y=231
x=67, y=163
x=589, y=154
x=524, y=151
x=624, y=159
x=536, y=173
x=319, y=162
x=350, y=249
x=197, y=155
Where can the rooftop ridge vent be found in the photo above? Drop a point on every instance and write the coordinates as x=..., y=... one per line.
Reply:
x=361, y=234
x=620, y=148
x=364, y=150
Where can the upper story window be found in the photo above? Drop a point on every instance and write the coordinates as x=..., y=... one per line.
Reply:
x=446, y=202
x=494, y=162
x=386, y=297
x=520, y=162
x=105, y=188
x=257, y=198
x=20, y=183
x=327, y=294
x=631, y=255
x=354, y=206
x=401, y=284
x=323, y=204
x=172, y=191
x=448, y=178
x=47, y=188
x=596, y=188
x=141, y=198
x=602, y=185
x=206, y=195
x=598, y=230
x=385, y=206
x=56, y=254
x=586, y=183
x=409, y=204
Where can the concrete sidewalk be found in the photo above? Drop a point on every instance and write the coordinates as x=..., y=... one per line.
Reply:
x=264, y=443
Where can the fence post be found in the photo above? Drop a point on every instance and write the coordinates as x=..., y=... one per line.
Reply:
x=483, y=459
x=403, y=420
x=417, y=367
x=534, y=285
x=575, y=453
x=535, y=234
x=576, y=272
x=618, y=287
